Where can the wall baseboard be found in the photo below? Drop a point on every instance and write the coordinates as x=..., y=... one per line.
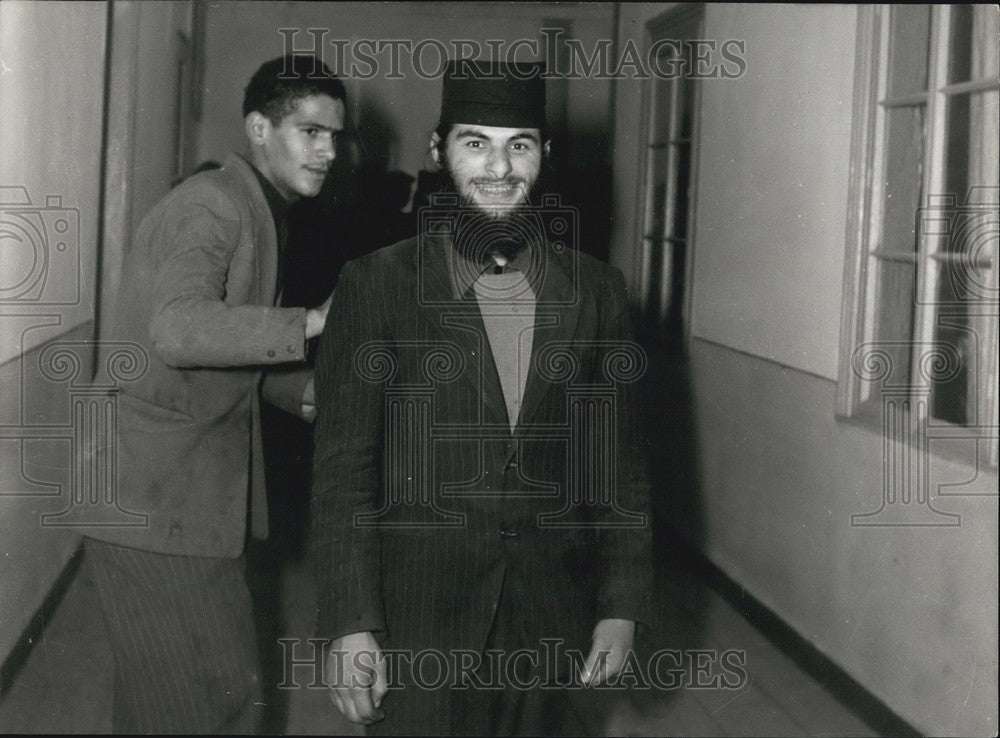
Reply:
x=844, y=688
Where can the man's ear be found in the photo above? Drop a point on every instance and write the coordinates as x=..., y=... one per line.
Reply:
x=257, y=127
x=434, y=148
x=546, y=148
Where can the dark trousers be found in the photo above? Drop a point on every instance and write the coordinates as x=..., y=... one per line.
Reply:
x=421, y=707
x=182, y=632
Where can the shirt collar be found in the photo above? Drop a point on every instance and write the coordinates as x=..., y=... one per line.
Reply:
x=464, y=273
x=275, y=200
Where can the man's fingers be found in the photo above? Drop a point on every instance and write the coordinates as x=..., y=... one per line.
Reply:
x=325, y=307
x=349, y=709
x=602, y=664
x=612, y=664
x=360, y=677
x=364, y=708
x=341, y=701
x=357, y=699
x=591, y=665
x=612, y=642
x=381, y=687
x=351, y=704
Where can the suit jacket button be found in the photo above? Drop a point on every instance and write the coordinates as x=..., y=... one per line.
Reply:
x=291, y=349
x=508, y=533
x=270, y=352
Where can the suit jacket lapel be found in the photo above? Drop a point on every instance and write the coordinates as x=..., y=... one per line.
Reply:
x=557, y=312
x=459, y=321
x=264, y=238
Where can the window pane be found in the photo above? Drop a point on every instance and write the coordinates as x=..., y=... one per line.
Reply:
x=908, y=46
x=687, y=109
x=953, y=367
x=903, y=171
x=653, y=245
x=895, y=293
x=682, y=154
x=672, y=127
x=677, y=247
x=968, y=281
x=973, y=42
x=661, y=113
x=658, y=189
x=973, y=145
x=682, y=151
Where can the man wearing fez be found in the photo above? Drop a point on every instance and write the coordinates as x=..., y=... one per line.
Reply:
x=198, y=292
x=472, y=523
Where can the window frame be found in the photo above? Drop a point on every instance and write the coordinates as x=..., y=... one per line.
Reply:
x=868, y=147
x=682, y=23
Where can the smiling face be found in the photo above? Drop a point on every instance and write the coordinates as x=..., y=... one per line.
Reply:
x=494, y=169
x=295, y=153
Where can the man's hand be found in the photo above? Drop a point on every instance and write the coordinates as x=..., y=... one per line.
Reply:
x=358, y=672
x=612, y=640
x=309, y=401
x=316, y=318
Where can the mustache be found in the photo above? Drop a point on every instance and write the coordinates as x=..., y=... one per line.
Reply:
x=466, y=203
x=443, y=182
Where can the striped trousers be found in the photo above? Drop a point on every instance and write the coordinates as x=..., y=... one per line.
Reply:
x=182, y=633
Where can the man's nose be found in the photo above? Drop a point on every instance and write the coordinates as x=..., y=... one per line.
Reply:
x=327, y=147
x=498, y=165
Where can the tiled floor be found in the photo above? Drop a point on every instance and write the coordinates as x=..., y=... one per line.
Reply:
x=63, y=684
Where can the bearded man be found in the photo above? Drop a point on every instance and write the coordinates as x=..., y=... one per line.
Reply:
x=480, y=502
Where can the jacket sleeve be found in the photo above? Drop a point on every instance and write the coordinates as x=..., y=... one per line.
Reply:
x=284, y=387
x=348, y=458
x=625, y=549
x=194, y=245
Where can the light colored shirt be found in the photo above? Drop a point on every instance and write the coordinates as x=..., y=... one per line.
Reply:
x=507, y=305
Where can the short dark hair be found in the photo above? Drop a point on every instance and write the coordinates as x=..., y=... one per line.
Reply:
x=280, y=83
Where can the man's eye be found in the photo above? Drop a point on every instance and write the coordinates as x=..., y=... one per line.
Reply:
x=475, y=144
x=312, y=132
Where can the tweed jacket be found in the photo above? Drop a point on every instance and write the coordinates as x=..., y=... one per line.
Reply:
x=197, y=299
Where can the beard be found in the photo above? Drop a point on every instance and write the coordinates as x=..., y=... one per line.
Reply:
x=480, y=232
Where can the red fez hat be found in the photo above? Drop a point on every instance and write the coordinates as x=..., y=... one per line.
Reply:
x=510, y=95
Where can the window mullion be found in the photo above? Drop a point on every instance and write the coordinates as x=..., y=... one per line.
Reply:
x=647, y=244
x=669, y=200
x=876, y=191
x=928, y=269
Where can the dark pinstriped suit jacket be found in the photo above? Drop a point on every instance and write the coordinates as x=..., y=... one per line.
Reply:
x=426, y=507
